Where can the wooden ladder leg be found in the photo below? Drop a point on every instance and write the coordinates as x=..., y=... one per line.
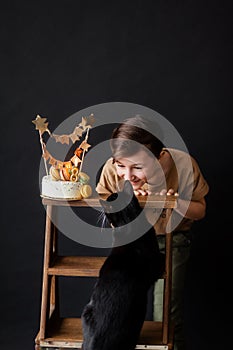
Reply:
x=54, y=297
x=167, y=284
x=45, y=304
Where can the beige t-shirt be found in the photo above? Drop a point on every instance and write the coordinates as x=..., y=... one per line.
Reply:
x=184, y=177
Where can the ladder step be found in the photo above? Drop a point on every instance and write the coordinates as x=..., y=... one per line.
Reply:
x=67, y=333
x=78, y=266
x=88, y=266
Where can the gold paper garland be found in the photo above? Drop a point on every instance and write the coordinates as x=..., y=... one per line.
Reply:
x=58, y=164
x=85, y=125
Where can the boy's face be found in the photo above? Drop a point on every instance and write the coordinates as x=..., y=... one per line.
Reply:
x=139, y=169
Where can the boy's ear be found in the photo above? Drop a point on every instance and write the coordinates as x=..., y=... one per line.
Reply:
x=128, y=188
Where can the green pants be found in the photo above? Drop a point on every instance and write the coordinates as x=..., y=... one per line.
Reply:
x=180, y=256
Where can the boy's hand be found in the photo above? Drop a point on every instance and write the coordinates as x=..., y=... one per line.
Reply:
x=163, y=192
x=170, y=192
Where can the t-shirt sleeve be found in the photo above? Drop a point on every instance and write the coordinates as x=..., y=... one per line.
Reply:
x=200, y=186
x=108, y=179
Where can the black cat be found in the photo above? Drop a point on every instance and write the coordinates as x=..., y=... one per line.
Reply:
x=113, y=318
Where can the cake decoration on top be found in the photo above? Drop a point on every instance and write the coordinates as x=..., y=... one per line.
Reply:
x=71, y=182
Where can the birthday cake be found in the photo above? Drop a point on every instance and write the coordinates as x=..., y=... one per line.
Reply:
x=65, y=179
x=64, y=189
x=54, y=187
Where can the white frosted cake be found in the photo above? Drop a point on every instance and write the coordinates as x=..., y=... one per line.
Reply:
x=60, y=189
x=55, y=187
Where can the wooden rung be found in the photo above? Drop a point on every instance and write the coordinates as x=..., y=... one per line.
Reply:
x=76, y=266
x=67, y=333
x=82, y=266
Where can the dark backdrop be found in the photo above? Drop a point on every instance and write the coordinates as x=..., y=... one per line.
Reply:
x=58, y=57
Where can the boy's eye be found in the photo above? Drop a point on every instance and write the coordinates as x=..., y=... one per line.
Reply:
x=135, y=167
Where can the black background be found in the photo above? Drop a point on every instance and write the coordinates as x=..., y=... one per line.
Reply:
x=58, y=57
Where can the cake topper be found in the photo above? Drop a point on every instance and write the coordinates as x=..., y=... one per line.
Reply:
x=77, y=160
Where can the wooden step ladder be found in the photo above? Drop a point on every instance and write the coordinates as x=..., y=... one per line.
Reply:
x=58, y=333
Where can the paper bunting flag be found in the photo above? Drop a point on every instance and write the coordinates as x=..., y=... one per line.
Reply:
x=52, y=161
x=84, y=145
x=78, y=152
x=76, y=160
x=87, y=122
x=62, y=138
x=46, y=155
x=83, y=123
x=74, y=137
x=78, y=131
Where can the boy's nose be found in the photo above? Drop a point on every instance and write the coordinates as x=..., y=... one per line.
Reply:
x=129, y=175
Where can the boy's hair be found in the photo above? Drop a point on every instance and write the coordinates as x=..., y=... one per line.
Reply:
x=134, y=129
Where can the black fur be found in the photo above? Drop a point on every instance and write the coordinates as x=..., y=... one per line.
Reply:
x=113, y=318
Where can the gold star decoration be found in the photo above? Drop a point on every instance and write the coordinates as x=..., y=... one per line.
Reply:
x=41, y=124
